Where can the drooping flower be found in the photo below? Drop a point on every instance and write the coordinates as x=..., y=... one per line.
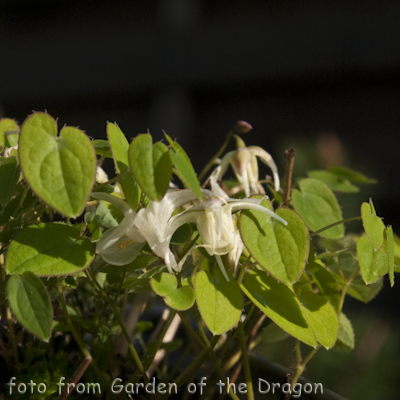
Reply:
x=216, y=223
x=122, y=244
x=213, y=217
x=244, y=163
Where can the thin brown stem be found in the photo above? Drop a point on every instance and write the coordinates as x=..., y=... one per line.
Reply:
x=290, y=155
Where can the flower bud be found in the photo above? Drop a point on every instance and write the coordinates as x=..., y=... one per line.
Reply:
x=241, y=127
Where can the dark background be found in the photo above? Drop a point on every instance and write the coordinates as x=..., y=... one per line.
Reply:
x=320, y=76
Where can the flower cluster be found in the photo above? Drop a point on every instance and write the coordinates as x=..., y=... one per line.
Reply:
x=214, y=217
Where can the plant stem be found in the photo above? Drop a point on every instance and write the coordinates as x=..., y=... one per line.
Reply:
x=120, y=322
x=156, y=346
x=301, y=366
x=74, y=332
x=216, y=155
x=343, y=221
x=214, y=359
x=194, y=366
x=21, y=200
x=246, y=364
x=290, y=155
x=12, y=334
x=243, y=271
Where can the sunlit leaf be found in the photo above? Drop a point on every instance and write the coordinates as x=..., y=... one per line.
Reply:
x=184, y=167
x=322, y=318
x=151, y=165
x=49, y=249
x=373, y=263
x=220, y=302
x=60, y=170
x=119, y=147
x=279, y=303
x=373, y=225
x=319, y=208
x=281, y=250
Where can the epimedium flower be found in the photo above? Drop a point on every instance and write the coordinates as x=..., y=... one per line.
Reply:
x=122, y=244
x=215, y=221
x=244, y=163
x=213, y=217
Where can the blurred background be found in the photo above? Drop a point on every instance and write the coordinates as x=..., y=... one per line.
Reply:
x=323, y=77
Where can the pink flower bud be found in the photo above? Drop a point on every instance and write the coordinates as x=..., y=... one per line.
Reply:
x=241, y=127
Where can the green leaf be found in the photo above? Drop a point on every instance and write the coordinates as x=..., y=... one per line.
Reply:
x=141, y=283
x=373, y=264
x=151, y=165
x=322, y=318
x=30, y=304
x=373, y=225
x=220, y=302
x=390, y=252
x=319, y=208
x=326, y=283
x=9, y=132
x=345, y=340
x=184, y=168
x=362, y=292
x=60, y=170
x=100, y=218
x=181, y=299
x=166, y=285
x=281, y=250
x=102, y=147
x=351, y=175
x=49, y=249
x=120, y=147
x=335, y=182
x=273, y=334
x=279, y=303
x=9, y=175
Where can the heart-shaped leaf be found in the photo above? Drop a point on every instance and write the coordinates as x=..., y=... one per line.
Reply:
x=279, y=303
x=119, y=147
x=373, y=225
x=166, y=285
x=151, y=165
x=49, y=249
x=373, y=264
x=281, y=250
x=318, y=206
x=220, y=302
x=30, y=304
x=60, y=170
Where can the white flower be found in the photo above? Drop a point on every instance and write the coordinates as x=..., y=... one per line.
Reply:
x=244, y=163
x=215, y=221
x=154, y=225
x=122, y=244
